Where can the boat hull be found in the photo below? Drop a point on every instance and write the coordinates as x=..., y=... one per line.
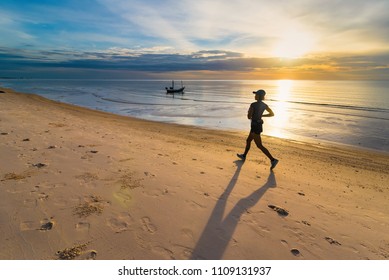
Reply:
x=178, y=90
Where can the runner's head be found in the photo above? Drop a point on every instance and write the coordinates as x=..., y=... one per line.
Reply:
x=259, y=94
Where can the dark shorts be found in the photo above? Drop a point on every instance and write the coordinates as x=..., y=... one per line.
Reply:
x=256, y=127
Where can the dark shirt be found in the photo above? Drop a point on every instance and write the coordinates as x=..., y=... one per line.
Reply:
x=256, y=110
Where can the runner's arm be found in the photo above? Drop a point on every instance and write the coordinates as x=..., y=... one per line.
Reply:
x=250, y=112
x=270, y=114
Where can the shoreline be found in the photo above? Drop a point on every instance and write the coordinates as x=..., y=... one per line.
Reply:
x=73, y=176
x=298, y=139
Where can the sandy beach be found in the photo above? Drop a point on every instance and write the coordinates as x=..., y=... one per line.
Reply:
x=82, y=184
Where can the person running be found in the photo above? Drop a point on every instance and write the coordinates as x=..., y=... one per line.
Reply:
x=255, y=114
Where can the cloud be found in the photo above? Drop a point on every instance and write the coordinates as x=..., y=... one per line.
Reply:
x=257, y=27
x=151, y=60
x=251, y=27
x=165, y=35
x=123, y=59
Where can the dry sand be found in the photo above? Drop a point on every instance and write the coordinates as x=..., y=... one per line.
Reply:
x=81, y=184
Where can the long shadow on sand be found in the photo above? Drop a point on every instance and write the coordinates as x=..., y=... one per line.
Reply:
x=219, y=231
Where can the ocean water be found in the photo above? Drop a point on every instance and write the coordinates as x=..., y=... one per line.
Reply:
x=346, y=112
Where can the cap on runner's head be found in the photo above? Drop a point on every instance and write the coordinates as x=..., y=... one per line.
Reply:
x=260, y=92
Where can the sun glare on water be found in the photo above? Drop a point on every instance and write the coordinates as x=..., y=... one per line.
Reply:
x=282, y=115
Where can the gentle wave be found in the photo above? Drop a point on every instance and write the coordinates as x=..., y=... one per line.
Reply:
x=327, y=105
x=139, y=103
x=337, y=106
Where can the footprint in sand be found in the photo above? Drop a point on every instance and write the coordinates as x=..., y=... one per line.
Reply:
x=332, y=241
x=120, y=223
x=57, y=124
x=40, y=196
x=164, y=252
x=45, y=226
x=306, y=223
x=39, y=165
x=259, y=229
x=82, y=226
x=148, y=225
x=279, y=210
x=91, y=255
x=123, y=196
x=87, y=177
x=43, y=196
x=184, y=252
x=195, y=205
x=30, y=202
x=14, y=176
x=27, y=225
x=295, y=252
x=284, y=242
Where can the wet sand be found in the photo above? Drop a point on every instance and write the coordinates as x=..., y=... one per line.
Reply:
x=82, y=184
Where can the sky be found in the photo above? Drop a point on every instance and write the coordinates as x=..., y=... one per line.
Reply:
x=195, y=39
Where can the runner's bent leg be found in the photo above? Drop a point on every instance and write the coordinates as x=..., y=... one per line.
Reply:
x=258, y=142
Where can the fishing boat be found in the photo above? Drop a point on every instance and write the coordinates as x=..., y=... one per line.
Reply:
x=175, y=90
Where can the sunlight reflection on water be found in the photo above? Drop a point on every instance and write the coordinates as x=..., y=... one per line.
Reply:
x=281, y=120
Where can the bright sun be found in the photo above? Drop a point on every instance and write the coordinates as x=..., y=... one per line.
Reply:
x=293, y=45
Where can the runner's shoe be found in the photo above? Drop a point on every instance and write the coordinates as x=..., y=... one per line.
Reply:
x=273, y=164
x=241, y=156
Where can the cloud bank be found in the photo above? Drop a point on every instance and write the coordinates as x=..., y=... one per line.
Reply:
x=243, y=39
